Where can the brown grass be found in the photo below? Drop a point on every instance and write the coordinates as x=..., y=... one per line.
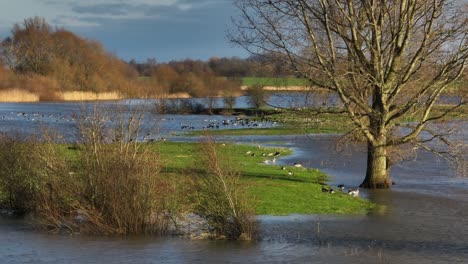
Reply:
x=90, y=96
x=17, y=95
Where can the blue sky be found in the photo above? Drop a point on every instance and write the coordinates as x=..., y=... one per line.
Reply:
x=139, y=29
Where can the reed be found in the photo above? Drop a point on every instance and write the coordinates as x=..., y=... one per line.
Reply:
x=18, y=95
x=90, y=96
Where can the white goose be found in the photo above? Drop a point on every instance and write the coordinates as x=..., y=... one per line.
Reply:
x=354, y=193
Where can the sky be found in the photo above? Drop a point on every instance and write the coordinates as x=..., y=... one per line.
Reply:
x=137, y=29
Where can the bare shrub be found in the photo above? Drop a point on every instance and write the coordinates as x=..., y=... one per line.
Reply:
x=108, y=183
x=257, y=96
x=123, y=191
x=18, y=180
x=222, y=197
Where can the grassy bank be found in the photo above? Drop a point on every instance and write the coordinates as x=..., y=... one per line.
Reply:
x=275, y=191
x=149, y=188
x=287, y=123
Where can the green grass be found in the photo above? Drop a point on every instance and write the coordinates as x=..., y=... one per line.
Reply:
x=287, y=130
x=265, y=81
x=290, y=123
x=276, y=192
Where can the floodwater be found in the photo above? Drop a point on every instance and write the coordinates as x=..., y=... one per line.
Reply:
x=424, y=219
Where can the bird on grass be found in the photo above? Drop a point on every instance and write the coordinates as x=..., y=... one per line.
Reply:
x=273, y=161
x=354, y=193
x=298, y=165
x=326, y=190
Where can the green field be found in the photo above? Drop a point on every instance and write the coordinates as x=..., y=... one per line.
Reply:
x=289, y=123
x=280, y=82
x=275, y=191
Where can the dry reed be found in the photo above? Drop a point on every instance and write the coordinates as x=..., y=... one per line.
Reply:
x=18, y=95
x=90, y=96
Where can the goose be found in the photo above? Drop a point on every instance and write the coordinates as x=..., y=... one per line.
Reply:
x=341, y=187
x=354, y=193
x=298, y=165
x=325, y=189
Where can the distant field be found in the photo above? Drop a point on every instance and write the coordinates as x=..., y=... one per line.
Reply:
x=265, y=81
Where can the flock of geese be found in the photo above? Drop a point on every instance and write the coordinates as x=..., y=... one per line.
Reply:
x=341, y=187
x=230, y=123
x=36, y=116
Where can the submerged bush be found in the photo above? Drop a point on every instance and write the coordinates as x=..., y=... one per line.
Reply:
x=222, y=197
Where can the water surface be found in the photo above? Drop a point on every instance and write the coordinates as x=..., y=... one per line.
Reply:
x=424, y=220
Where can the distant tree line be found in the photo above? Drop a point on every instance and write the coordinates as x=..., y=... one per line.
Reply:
x=234, y=67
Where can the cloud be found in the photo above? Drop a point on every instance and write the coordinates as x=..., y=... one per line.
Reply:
x=92, y=13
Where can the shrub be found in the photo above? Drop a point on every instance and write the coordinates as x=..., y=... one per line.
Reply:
x=103, y=187
x=257, y=96
x=222, y=197
x=18, y=179
x=122, y=190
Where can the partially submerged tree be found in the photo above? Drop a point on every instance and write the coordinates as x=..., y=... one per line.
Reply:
x=257, y=96
x=388, y=61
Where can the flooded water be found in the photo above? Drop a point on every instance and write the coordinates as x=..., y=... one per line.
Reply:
x=29, y=119
x=424, y=218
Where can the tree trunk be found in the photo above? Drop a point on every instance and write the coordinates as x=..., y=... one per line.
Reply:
x=377, y=175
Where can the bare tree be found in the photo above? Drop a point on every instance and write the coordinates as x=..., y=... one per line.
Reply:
x=388, y=61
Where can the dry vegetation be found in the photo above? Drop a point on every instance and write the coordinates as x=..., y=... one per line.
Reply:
x=109, y=183
x=52, y=63
x=106, y=189
x=222, y=196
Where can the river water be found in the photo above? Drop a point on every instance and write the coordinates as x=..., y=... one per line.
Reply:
x=424, y=218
